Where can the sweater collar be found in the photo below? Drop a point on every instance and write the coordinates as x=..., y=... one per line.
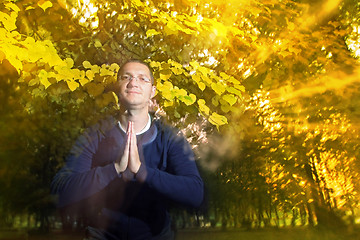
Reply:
x=147, y=135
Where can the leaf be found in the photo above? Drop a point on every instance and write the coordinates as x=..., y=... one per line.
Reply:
x=97, y=43
x=151, y=32
x=218, y=88
x=217, y=119
x=69, y=62
x=87, y=64
x=16, y=63
x=168, y=103
x=94, y=89
x=234, y=91
x=106, y=72
x=8, y=21
x=90, y=74
x=201, y=85
x=12, y=6
x=72, y=85
x=44, y=4
x=43, y=76
x=231, y=99
x=165, y=76
x=202, y=107
x=188, y=100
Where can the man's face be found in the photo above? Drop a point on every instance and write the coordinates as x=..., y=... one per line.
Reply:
x=135, y=86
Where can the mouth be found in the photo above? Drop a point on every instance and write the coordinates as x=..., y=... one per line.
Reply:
x=133, y=92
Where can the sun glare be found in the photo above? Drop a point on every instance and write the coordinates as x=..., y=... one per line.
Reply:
x=87, y=13
x=353, y=41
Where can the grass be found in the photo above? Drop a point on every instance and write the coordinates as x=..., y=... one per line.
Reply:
x=209, y=234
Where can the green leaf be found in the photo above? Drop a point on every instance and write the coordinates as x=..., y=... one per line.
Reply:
x=188, y=100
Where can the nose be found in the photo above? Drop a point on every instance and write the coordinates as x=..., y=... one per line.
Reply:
x=133, y=81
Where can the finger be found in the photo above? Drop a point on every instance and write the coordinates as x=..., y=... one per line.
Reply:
x=128, y=127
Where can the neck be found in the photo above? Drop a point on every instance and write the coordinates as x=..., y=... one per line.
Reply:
x=139, y=118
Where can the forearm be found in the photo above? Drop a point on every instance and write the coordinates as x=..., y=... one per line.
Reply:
x=73, y=187
x=185, y=189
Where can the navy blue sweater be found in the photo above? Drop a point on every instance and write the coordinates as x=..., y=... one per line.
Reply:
x=125, y=204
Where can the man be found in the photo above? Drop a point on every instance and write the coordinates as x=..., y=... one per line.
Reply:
x=122, y=180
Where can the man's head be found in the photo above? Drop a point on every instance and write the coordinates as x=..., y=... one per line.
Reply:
x=136, y=61
x=134, y=85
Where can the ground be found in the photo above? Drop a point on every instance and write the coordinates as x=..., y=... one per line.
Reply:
x=210, y=234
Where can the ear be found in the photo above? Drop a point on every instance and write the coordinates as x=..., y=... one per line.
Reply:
x=153, y=91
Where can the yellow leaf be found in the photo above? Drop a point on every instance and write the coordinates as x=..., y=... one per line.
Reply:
x=44, y=4
x=97, y=43
x=188, y=100
x=43, y=76
x=291, y=26
x=215, y=100
x=69, y=62
x=165, y=76
x=83, y=81
x=95, y=69
x=8, y=21
x=240, y=87
x=109, y=97
x=90, y=74
x=168, y=103
x=12, y=6
x=234, y=91
x=151, y=32
x=2, y=56
x=229, y=98
x=201, y=85
x=114, y=67
x=106, y=72
x=155, y=64
x=116, y=98
x=137, y=3
x=218, y=88
x=177, y=71
x=16, y=63
x=94, y=89
x=72, y=85
x=63, y=3
x=87, y=64
x=224, y=76
x=217, y=119
x=29, y=8
x=202, y=107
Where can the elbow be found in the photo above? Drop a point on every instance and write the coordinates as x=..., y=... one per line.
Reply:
x=197, y=196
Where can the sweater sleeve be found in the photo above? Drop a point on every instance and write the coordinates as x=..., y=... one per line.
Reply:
x=181, y=182
x=77, y=180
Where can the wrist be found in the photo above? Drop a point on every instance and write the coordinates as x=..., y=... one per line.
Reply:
x=118, y=168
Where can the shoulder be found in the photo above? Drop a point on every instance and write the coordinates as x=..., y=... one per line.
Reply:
x=102, y=127
x=168, y=132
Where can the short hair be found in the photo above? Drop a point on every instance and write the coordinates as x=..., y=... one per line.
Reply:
x=137, y=61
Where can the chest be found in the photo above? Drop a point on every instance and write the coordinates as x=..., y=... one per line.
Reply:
x=111, y=147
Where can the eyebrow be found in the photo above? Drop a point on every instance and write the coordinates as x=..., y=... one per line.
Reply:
x=141, y=74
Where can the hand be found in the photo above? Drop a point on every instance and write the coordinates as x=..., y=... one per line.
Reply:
x=134, y=162
x=130, y=158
